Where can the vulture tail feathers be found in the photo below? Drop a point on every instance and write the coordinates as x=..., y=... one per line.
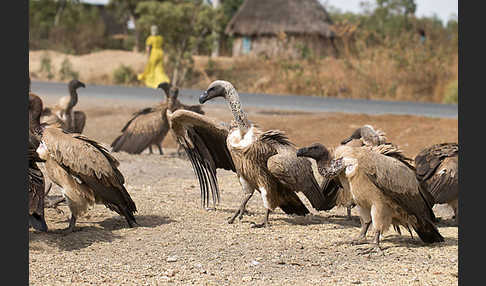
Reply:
x=293, y=205
x=427, y=231
x=330, y=188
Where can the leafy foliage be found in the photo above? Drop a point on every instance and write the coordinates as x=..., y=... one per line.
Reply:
x=186, y=27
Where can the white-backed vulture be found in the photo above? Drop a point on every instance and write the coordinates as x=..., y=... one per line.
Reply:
x=72, y=121
x=84, y=169
x=35, y=177
x=335, y=194
x=149, y=126
x=263, y=160
x=437, y=171
x=383, y=186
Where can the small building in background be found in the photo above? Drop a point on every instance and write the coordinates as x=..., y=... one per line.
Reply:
x=297, y=28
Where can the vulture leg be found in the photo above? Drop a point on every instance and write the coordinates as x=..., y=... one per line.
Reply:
x=348, y=211
x=241, y=210
x=150, y=149
x=70, y=228
x=265, y=221
x=160, y=149
x=362, y=235
x=376, y=248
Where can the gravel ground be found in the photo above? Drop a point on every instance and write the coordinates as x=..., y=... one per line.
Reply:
x=180, y=243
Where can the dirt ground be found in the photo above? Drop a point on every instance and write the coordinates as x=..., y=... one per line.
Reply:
x=180, y=243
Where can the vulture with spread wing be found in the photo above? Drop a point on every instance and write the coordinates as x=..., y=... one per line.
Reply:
x=149, y=126
x=263, y=160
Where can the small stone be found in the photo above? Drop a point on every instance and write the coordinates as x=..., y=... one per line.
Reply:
x=255, y=263
x=246, y=278
x=172, y=258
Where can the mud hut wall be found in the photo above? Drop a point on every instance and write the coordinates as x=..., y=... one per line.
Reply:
x=292, y=46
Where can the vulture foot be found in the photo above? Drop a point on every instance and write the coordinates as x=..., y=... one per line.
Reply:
x=259, y=225
x=70, y=228
x=374, y=249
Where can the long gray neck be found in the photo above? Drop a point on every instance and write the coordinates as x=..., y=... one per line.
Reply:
x=239, y=116
x=74, y=97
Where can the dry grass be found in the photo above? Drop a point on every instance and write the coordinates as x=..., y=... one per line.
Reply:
x=179, y=243
x=387, y=74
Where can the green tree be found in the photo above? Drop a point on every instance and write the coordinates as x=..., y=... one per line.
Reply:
x=186, y=26
x=127, y=10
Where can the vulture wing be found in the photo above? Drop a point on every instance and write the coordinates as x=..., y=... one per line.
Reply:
x=36, y=188
x=204, y=141
x=296, y=173
x=397, y=181
x=138, y=133
x=92, y=164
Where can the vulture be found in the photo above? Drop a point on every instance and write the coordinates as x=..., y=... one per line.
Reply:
x=35, y=177
x=437, y=171
x=149, y=126
x=71, y=121
x=84, y=169
x=338, y=196
x=383, y=186
x=265, y=161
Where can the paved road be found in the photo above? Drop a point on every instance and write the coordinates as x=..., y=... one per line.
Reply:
x=288, y=102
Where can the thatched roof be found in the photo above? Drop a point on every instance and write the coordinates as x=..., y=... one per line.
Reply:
x=269, y=17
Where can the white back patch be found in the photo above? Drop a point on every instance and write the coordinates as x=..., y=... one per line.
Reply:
x=42, y=151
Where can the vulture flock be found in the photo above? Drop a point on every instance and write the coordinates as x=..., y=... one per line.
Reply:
x=365, y=171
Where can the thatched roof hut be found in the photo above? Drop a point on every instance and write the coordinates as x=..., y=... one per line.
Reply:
x=265, y=19
x=269, y=17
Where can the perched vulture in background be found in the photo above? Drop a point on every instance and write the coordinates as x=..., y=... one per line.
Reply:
x=438, y=173
x=149, y=126
x=72, y=121
x=263, y=160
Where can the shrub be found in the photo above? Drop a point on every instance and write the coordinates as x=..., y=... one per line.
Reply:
x=451, y=93
x=124, y=75
x=66, y=71
x=45, y=66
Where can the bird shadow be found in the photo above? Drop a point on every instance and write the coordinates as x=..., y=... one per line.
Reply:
x=446, y=222
x=416, y=242
x=84, y=236
x=116, y=223
x=343, y=221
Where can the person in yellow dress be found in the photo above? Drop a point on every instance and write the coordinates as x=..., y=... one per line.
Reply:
x=154, y=73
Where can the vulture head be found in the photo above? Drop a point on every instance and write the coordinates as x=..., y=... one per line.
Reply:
x=165, y=86
x=75, y=84
x=368, y=134
x=315, y=151
x=329, y=168
x=218, y=88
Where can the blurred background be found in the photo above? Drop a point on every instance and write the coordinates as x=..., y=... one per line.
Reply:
x=377, y=49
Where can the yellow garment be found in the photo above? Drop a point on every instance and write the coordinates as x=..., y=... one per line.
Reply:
x=154, y=73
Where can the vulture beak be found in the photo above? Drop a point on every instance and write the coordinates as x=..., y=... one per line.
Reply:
x=204, y=97
x=302, y=152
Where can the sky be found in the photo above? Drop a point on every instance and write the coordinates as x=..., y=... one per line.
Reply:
x=442, y=8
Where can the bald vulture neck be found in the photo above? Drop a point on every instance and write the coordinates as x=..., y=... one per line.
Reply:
x=239, y=116
x=74, y=97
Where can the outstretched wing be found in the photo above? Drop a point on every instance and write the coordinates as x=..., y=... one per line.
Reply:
x=204, y=141
x=141, y=130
